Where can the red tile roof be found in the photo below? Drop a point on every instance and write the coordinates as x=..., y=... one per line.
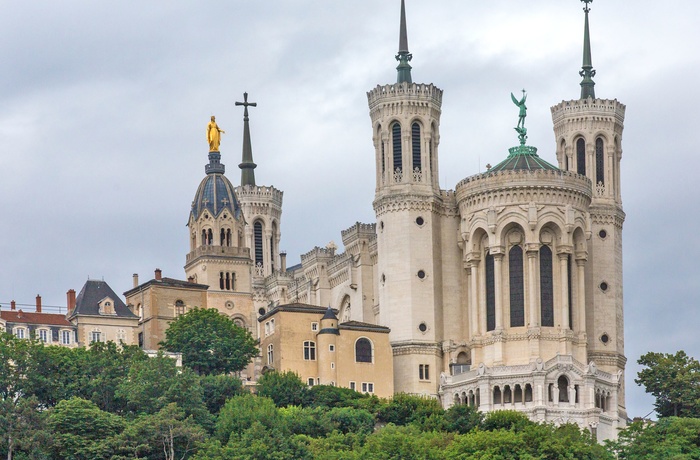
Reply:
x=48, y=319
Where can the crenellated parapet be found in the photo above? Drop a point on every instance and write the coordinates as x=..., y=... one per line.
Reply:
x=588, y=111
x=403, y=95
x=260, y=193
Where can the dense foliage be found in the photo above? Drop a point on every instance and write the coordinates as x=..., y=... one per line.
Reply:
x=674, y=380
x=210, y=342
x=112, y=402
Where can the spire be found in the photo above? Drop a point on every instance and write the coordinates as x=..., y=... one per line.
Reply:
x=247, y=166
x=587, y=72
x=404, y=68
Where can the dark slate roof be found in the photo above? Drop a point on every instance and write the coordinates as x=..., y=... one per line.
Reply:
x=296, y=308
x=90, y=296
x=523, y=157
x=39, y=319
x=359, y=326
x=215, y=194
x=167, y=282
x=329, y=314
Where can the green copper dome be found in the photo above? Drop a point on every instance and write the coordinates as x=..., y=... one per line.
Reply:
x=523, y=157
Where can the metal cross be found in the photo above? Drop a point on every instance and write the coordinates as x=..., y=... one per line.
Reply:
x=245, y=103
x=587, y=8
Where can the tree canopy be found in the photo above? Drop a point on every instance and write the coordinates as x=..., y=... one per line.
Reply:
x=674, y=380
x=210, y=342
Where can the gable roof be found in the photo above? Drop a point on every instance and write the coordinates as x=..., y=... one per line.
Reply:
x=39, y=319
x=168, y=282
x=92, y=293
x=367, y=327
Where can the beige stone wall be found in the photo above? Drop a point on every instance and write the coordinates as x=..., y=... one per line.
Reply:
x=112, y=329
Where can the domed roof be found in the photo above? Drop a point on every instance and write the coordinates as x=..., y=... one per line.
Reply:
x=215, y=193
x=523, y=157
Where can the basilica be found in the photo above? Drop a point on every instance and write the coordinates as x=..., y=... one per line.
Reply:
x=502, y=292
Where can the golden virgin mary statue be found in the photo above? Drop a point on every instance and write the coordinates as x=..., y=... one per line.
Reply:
x=214, y=135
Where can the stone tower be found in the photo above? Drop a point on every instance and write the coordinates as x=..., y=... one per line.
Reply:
x=588, y=133
x=405, y=121
x=262, y=208
x=219, y=256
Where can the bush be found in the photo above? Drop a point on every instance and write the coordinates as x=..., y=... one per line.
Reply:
x=284, y=388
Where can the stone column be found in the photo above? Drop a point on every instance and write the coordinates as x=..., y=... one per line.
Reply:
x=532, y=277
x=473, y=278
x=581, y=293
x=564, y=281
x=498, y=282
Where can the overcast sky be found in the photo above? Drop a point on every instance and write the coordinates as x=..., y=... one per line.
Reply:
x=103, y=108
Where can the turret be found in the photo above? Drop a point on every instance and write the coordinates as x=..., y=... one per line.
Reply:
x=327, y=342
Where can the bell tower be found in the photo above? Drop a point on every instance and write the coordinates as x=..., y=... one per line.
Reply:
x=405, y=124
x=588, y=132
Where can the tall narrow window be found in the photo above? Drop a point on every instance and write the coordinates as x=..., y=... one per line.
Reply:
x=270, y=355
x=228, y=282
x=581, y=156
x=546, y=287
x=383, y=158
x=599, y=162
x=363, y=351
x=221, y=280
x=310, y=351
x=258, y=236
x=222, y=237
x=204, y=237
x=415, y=145
x=228, y=237
x=210, y=237
x=517, y=297
x=396, y=143
x=233, y=281
x=569, y=293
x=179, y=308
x=490, y=295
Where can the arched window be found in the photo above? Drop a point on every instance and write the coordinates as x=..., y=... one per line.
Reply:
x=415, y=145
x=490, y=295
x=528, y=392
x=233, y=281
x=228, y=282
x=222, y=237
x=383, y=157
x=570, y=291
x=273, y=250
x=546, y=287
x=258, y=237
x=496, y=395
x=599, y=162
x=581, y=156
x=228, y=237
x=517, y=289
x=221, y=280
x=363, y=351
x=179, y=307
x=204, y=237
x=310, y=351
x=210, y=237
x=396, y=143
x=563, y=384
x=270, y=355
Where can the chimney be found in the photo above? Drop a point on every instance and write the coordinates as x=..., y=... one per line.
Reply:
x=190, y=279
x=159, y=274
x=38, y=303
x=13, y=305
x=283, y=261
x=70, y=300
x=136, y=279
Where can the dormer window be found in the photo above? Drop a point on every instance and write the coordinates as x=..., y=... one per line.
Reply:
x=106, y=306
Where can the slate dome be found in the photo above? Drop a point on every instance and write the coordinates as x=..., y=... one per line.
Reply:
x=215, y=193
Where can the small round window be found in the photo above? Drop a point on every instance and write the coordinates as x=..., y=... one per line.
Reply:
x=261, y=311
x=604, y=286
x=602, y=234
x=421, y=274
x=420, y=221
x=422, y=327
x=605, y=338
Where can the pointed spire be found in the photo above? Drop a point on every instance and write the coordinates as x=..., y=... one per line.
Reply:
x=587, y=72
x=247, y=166
x=404, y=57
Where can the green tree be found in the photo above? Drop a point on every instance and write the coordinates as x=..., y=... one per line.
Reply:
x=168, y=434
x=154, y=383
x=506, y=420
x=241, y=412
x=671, y=438
x=404, y=443
x=332, y=396
x=210, y=342
x=674, y=380
x=404, y=409
x=462, y=419
x=218, y=388
x=81, y=430
x=22, y=428
x=284, y=388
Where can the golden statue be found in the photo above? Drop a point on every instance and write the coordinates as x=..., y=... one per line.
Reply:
x=214, y=135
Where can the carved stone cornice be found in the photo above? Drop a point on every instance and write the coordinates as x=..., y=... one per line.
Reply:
x=416, y=348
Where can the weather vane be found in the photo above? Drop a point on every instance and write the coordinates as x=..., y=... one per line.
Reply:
x=520, y=129
x=587, y=8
